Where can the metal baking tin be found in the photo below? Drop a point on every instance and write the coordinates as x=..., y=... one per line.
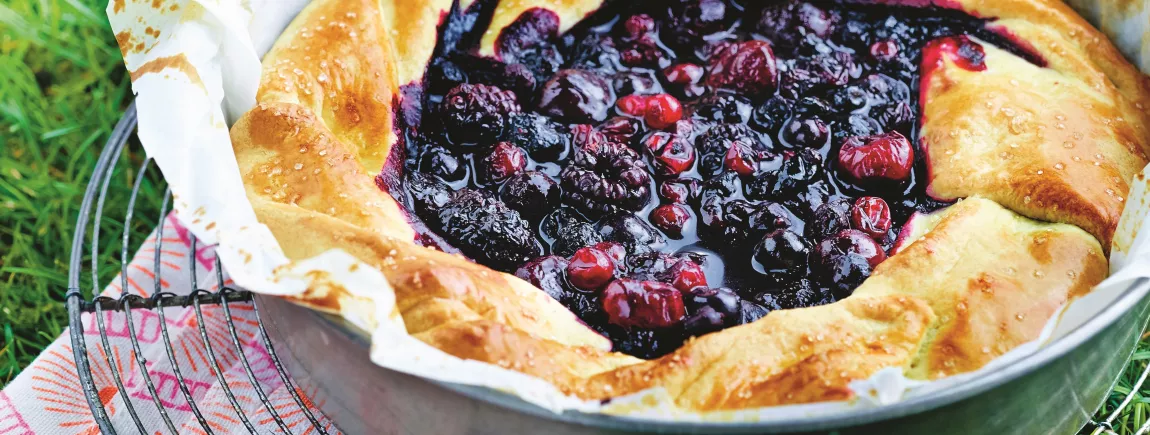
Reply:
x=1056, y=390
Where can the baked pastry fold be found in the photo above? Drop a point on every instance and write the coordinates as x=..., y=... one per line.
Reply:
x=972, y=281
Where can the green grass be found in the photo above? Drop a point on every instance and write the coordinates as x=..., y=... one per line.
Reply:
x=62, y=88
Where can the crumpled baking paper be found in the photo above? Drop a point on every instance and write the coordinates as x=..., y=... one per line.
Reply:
x=195, y=68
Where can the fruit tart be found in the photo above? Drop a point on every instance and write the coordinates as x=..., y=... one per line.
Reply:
x=747, y=203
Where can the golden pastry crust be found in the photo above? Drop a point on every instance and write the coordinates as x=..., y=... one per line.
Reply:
x=789, y=356
x=1049, y=144
x=1013, y=272
x=992, y=277
x=329, y=62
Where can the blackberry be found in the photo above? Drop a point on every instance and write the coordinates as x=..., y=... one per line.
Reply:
x=713, y=144
x=487, y=231
x=899, y=116
x=537, y=135
x=604, y=177
x=821, y=72
x=477, y=113
x=574, y=236
x=530, y=193
x=882, y=90
x=713, y=196
x=848, y=98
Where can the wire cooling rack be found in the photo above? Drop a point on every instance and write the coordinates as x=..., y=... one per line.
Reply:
x=92, y=213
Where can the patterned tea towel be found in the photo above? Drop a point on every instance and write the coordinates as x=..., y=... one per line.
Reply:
x=46, y=398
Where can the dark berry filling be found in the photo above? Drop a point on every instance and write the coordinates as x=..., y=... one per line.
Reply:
x=670, y=169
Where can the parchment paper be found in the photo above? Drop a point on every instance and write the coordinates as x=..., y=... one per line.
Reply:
x=196, y=68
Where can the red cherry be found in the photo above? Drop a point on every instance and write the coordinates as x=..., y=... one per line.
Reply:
x=639, y=25
x=871, y=215
x=590, y=268
x=504, y=161
x=884, y=50
x=657, y=140
x=686, y=275
x=746, y=67
x=674, y=158
x=740, y=159
x=663, y=110
x=683, y=74
x=642, y=304
x=634, y=105
x=671, y=218
x=615, y=250
x=678, y=190
x=875, y=160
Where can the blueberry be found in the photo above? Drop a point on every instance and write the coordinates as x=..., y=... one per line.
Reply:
x=558, y=219
x=575, y=95
x=547, y=274
x=782, y=252
x=722, y=107
x=441, y=163
x=770, y=116
x=844, y=260
x=633, y=233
